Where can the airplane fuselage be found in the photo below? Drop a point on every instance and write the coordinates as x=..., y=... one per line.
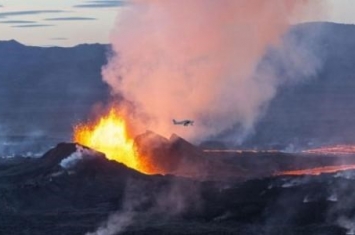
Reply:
x=183, y=122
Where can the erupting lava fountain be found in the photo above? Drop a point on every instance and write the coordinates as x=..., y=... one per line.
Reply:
x=109, y=134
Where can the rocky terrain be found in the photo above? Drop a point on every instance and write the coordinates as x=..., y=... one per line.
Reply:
x=76, y=190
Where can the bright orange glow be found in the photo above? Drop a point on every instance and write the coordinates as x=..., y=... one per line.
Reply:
x=318, y=170
x=332, y=150
x=109, y=135
x=337, y=150
x=240, y=151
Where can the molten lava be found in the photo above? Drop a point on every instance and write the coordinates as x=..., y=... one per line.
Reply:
x=109, y=135
x=337, y=150
x=318, y=170
x=332, y=150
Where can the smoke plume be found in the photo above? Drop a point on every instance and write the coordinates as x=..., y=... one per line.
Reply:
x=166, y=202
x=196, y=60
x=73, y=159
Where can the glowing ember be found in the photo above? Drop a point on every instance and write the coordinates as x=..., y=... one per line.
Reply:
x=318, y=170
x=109, y=135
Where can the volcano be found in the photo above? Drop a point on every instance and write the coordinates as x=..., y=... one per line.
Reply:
x=73, y=189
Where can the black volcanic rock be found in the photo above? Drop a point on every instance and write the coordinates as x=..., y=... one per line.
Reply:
x=167, y=155
x=155, y=151
x=43, y=184
x=38, y=196
x=179, y=157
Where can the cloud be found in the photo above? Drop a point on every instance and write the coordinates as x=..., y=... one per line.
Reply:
x=101, y=4
x=17, y=22
x=32, y=25
x=70, y=19
x=59, y=38
x=17, y=13
x=104, y=1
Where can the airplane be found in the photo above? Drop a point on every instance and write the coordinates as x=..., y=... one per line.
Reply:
x=183, y=122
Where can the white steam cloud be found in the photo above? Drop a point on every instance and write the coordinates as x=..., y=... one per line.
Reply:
x=76, y=157
x=170, y=201
x=115, y=224
x=196, y=60
x=71, y=160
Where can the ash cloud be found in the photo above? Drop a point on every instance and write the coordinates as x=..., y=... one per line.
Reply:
x=197, y=60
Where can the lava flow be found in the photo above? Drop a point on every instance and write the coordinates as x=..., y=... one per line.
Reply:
x=337, y=150
x=109, y=135
x=318, y=170
x=332, y=150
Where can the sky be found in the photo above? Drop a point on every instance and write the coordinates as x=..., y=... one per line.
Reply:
x=60, y=22
x=71, y=22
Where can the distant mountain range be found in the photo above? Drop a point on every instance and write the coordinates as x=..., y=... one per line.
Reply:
x=44, y=91
x=49, y=88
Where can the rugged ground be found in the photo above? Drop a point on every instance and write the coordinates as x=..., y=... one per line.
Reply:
x=58, y=196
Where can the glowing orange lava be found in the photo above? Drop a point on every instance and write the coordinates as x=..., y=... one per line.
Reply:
x=318, y=170
x=109, y=135
x=332, y=150
x=240, y=151
x=337, y=150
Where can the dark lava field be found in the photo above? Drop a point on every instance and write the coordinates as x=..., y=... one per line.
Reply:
x=75, y=190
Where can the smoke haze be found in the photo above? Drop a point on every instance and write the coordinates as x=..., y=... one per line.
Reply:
x=196, y=60
x=172, y=200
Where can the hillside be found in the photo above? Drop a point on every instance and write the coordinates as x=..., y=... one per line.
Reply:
x=45, y=90
x=40, y=196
